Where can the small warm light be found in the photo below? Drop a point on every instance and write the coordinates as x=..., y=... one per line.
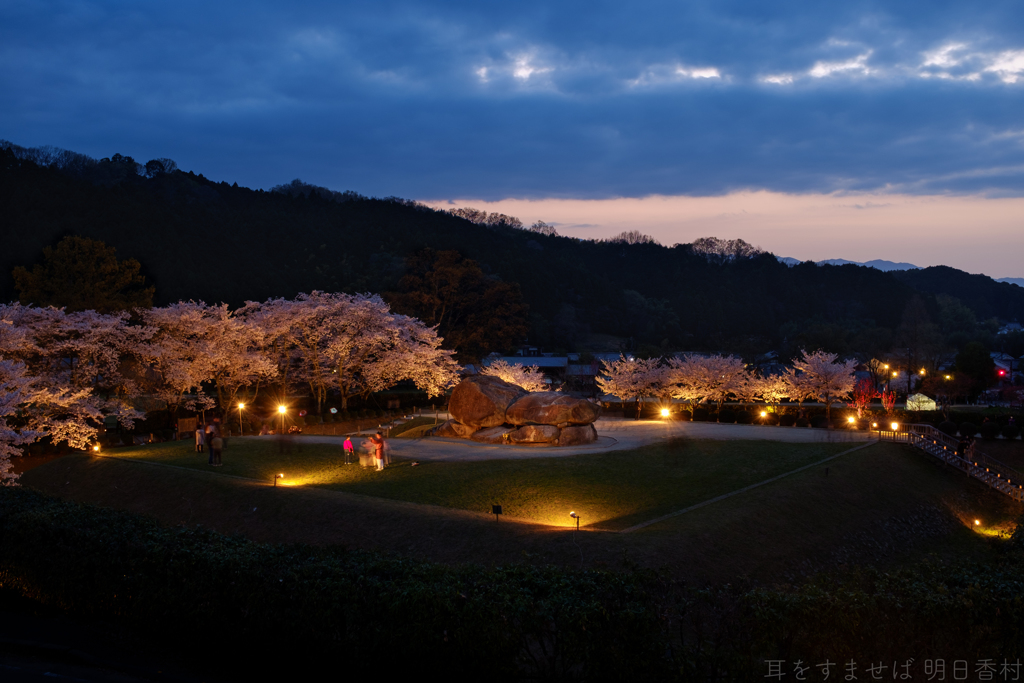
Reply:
x=664, y=412
x=922, y=371
x=573, y=515
x=886, y=366
x=96, y=448
x=895, y=426
x=241, y=406
x=874, y=424
x=895, y=374
x=282, y=410
x=948, y=377
x=977, y=522
x=764, y=413
x=850, y=420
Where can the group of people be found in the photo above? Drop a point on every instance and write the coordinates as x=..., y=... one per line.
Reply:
x=377, y=443
x=208, y=438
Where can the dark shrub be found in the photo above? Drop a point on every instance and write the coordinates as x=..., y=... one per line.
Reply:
x=802, y=422
x=989, y=430
x=948, y=428
x=968, y=429
x=787, y=420
x=1011, y=431
x=726, y=415
x=683, y=415
x=819, y=422
x=700, y=415
x=864, y=424
x=744, y=418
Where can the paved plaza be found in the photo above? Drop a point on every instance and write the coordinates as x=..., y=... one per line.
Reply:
x=613, y=434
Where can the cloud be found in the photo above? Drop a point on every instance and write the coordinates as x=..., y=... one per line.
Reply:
x=538, y=99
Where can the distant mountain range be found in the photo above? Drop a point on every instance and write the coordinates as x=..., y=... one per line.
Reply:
x=883, y=265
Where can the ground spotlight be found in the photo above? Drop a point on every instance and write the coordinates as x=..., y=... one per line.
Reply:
x=276, y=477
x=577, y=518
x=664, y=412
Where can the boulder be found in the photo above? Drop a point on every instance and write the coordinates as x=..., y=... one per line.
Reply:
x=552, y=408
x=454, y=429
x=481, y=401
x=577, y=436
x=535, y=434
x=491, y=435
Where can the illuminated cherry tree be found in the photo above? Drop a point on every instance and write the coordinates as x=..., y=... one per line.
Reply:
x=351, y=343
x=180, y=352
x=772, y=389
x=63, y=373
x=632, y=379
x=821, y=376
x=694, y=378
x=528, y=377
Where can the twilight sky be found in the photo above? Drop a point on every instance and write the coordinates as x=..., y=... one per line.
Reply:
x=853, y=130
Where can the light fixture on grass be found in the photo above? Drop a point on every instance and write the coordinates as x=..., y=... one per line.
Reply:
x=664, y=412
x=276, y=477
x=577, y=518
x=96, y=448
x=895, y=426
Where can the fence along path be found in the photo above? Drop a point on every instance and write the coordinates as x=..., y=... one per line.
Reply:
x=962, y=455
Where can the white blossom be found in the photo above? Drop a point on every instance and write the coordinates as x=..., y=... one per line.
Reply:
x=529, y=377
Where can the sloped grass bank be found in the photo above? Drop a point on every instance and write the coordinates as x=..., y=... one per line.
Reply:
x=294, y=609
x=610, y=490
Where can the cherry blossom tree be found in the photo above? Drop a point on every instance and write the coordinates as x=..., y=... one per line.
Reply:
x=772, y=389
x=715, y=378
x=180, y=352
x=63, y=373
x=375, y=349
x=632, y=378
x=821, y=376
x=353, y=344
x=528, y=377
x=682, y=379
x=15, y=390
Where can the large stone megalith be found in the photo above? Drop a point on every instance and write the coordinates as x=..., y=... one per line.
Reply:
x=552, y=408
x=481, y=401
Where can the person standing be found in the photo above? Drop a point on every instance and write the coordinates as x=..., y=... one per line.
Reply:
x=216, y=444
x=211, y=432
x=349, y=450
x=200, y=439
x=378, y=444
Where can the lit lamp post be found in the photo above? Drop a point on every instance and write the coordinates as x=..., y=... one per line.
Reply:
x=241, y=431
x=282, y=410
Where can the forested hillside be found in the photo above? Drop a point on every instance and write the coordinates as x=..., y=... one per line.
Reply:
x=198, y=239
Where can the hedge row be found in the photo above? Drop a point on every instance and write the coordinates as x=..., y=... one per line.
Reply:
x=371, y=614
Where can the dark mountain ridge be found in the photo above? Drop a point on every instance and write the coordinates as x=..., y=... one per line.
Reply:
x=200, y=239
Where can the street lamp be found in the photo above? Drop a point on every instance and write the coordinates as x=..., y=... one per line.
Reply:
x=241, y=431
x=282, y=410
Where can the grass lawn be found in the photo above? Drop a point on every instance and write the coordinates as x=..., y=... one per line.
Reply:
x=611, y=490
x=874, y=505
x=883, y=505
